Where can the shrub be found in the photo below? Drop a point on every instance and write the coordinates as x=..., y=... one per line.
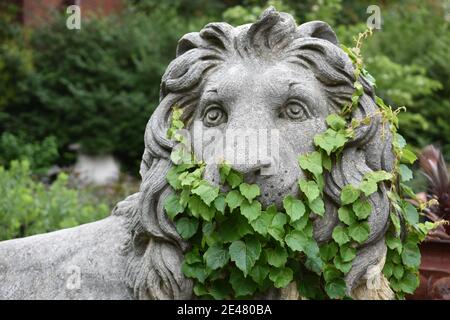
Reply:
x=416, y=36
x=99, y=85
x=29, y=207
x=15, y=59
x=40, y=155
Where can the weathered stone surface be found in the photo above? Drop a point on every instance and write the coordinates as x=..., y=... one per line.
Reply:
x=47, y=266
x=270, y=75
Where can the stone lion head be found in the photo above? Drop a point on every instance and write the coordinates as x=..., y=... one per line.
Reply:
x=271, y=74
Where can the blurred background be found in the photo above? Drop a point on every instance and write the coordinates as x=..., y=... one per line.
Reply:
x=74, y=103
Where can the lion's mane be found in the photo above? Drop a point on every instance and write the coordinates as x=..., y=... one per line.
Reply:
x=155, y=250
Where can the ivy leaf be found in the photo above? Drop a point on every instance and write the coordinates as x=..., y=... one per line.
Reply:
x=209, y=236
x=294, y=207
x=312, y=249
x=408, y=156
x=388, y=269
x=208, y=228
x=342, y=265
x=328, y=251
x=311, y=162
x=241, y=285
x=407, y=190
x=276, y=228
x=399, y=141
x=219, y=203
x=368, y=187
x=393, y=256
x=172, y=206
x=200, y=209
x=192, y=256
x=398, y=271
x=172, y=178
x=396, y=222
x=320, y=182
x=262, y=223
x=259, y=273
x=281, y=277
x=200, y=290
x=317, y=206
x=206, y=192
x=196, y=271
x=335, y=289
x=186, y=227
x=405, y=173
x=314, y=263
x=330, y=140
x=309, y=286
x=276, y=257
x=411, y=255
x=296, y=240
x=409, y=282
x=216, y=257
x=251, y=210
x=330, y=273
x=181, y=155
x=336, y=122
x=191, y=178
x=326, y=162
x=359, y=232
x=349, y=194
x=250, y=191
x=233, y=228
x=234, y=199
x=234, y=178
x=362, y=208
x=424, y=228
x=340, y=235
x=301, y=223
x=245, y=254
x=378, y=176
x=224, y=171
x=220, y=289
x=184, y=196
x=393, y=243
x=310, y=189
x=348, y=253
x=346, y=215
x=410, y=213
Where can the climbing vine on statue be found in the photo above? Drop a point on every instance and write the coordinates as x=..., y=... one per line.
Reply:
x=240, y=249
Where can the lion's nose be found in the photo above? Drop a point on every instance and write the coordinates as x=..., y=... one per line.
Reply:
x=262, y=167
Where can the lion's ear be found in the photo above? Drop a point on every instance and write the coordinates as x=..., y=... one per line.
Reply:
x=189, y=41
x=318, y=29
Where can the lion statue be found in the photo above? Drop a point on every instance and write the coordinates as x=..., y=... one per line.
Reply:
x=271, y=74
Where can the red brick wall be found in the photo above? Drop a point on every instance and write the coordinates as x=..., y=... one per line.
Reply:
x=35, y=12
x=105, y=7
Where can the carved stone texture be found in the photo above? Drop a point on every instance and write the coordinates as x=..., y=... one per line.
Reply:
x=269, y=75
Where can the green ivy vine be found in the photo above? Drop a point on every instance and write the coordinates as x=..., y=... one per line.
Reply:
x=240, y=249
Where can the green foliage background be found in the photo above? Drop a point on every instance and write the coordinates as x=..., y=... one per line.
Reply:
x=99, y=85
x=29, y=207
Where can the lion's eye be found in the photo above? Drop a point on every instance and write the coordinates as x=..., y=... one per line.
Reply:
x=294, y=110
x=214, y=116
